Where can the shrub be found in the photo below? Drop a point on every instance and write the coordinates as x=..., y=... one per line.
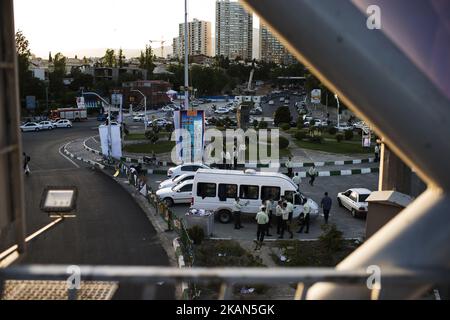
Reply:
x=285, y=126
x=339, y=137
x=331, y=238
x=169, y=127
x=300, y=135
x=300, y=122
x=284, y=143
x=263, y=125
x=316, y=139
x=348, y=134
x=332, y=130
x=282, y=115
x=152, y=135
x=196, y=234
x=255, y=124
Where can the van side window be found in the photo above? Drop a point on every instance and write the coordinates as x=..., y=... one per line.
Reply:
x=227, y=191
x=249, y=192
x=205, y=190
x=270, y=193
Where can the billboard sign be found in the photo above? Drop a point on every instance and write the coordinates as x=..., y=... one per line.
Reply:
x=116, y=99
x=30, y=102
x=316, y=96
x=80, y=103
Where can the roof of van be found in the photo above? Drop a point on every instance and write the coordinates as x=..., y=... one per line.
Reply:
x=242, y=173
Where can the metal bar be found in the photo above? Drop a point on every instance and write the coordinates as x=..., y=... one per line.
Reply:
x=6, y=65
x=228, y=275
x=364, y=67
x=8, y=149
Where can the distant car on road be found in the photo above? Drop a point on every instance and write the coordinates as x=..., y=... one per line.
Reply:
x=102, y=117
x=185, y=168
x=30, y=126
x=181, y=193
x=167, y=109
x=271, y=103
x=139, y=118
x=63, y=123
x=343, y=127
x=355, y=200
x=256, y=111
x=46, y=125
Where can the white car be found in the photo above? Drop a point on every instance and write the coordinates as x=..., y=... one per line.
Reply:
x=185, y=168
x=355, y=201
x=181, y=193
x=139, y=118
x=167, y=109
x=160, y=122
x=169, y=183
x=46, y=125
x=271, y=102
x=222, y=110
x=63, y=123
x=343, y=127
x=30, y=126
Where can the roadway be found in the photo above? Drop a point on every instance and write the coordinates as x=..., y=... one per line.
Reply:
x=109, y=227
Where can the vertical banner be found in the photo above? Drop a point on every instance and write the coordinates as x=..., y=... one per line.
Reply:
x=116, y=142
x=316, y=96
x=190, y=124
x=81, y=103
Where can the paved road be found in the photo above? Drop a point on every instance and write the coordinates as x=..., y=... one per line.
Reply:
x=109, y=228
x=351, y=227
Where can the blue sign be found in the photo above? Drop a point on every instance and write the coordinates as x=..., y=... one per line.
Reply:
x=30, y=102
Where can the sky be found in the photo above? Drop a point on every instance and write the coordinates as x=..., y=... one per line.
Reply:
x=79, y=27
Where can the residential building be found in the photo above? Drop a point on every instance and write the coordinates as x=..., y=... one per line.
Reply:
x=271, y=48
x=199, y=39
x=154, y=90
x=234, y=30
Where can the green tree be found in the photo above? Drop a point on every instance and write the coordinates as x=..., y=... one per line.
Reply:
x=121, y=58
x=109, y=59
x=146, y=61
x=57, y=90
x=23, y=58
x=282, y=115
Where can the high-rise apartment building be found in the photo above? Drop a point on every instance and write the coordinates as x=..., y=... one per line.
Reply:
x=271, y=49
x=199, y=39
x=234, y=30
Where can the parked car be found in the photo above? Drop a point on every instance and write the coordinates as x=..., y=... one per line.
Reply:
x=30, y=126
x=46, y=125
x=256, y=111
x=63, y=123
x=216, y=190
x=185, y=168
x=271, y=102
x=181, y=193
x=343, y=127
x=167, y=109
x=161, y=122
x=138, y=118
x=222, y=110
x=355, y=201
x=172, y=182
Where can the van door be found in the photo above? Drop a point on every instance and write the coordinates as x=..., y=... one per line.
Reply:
x=249, y=195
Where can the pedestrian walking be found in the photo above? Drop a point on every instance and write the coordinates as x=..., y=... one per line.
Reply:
x=289, y=166
x=377, y=153
x=26, y=166
x=297, y=179
x=238, y=205
x=304, y=218
x=262, y=220
x=269, y=211
x=279, y=215
x=285, y=224
x=312, y=173
x=326, y=206
x=228, y=160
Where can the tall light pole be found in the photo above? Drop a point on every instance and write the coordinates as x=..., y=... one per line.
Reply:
x=338, y=117
x=145, y=107
x=186, y=58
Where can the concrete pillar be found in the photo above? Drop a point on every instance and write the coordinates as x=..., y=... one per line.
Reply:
x=394, y=173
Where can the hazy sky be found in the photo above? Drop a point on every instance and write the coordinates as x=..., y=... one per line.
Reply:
x=77, y=27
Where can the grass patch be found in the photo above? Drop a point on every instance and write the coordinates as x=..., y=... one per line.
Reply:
x=135, y=136
x=328, y=251
x=226, y=253
x=343, y=147
x=162, y=146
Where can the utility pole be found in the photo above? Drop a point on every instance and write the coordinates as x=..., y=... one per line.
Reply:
x=338, y=104
x=186, y=58
x=145, y=107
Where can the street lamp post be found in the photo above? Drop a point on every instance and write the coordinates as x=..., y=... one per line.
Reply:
x=145, y=107
x=186, y=58
x=338, y=105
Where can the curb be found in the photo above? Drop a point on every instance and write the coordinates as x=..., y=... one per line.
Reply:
x=181, y=263
x=248, y=165
x=91, y=162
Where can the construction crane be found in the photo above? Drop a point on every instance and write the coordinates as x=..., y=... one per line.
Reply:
x=162, y=45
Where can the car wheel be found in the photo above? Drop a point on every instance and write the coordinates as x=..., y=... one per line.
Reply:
x=354, y=213
x=224, y=216
x=168, y=202
x=339, y=202
x=37, y=129
x=69, y=126
x=50, y=128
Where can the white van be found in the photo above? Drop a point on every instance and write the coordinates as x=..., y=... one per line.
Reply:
x=216, y=190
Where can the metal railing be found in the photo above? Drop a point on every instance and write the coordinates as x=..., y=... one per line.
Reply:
x=304, y=278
